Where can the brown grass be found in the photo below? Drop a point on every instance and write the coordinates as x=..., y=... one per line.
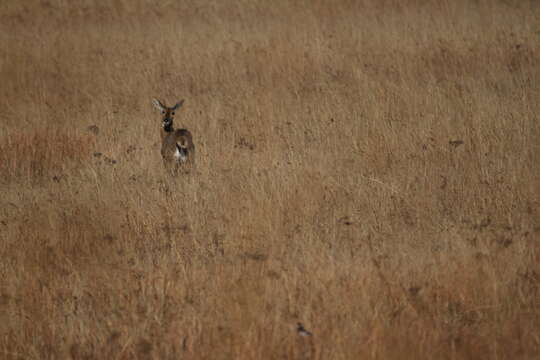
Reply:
x=37, y=153
x=368, y=168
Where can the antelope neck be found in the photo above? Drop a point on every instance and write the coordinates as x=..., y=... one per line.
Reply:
x=168, y=127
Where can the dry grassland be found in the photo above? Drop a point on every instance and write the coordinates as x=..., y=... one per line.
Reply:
x=367, y=168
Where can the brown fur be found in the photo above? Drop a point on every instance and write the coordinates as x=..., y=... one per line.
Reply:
x=183, y=138
x=174, y=142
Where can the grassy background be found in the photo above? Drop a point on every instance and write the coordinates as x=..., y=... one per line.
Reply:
x=368, y=168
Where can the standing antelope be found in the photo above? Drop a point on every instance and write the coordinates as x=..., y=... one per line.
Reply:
x=177, y=149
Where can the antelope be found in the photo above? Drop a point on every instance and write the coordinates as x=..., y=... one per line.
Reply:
x=177, y=149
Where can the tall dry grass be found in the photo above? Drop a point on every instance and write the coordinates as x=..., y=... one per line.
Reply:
x=368, y=168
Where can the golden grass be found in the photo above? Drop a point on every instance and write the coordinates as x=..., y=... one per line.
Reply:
x=36, y=153
x=369, y=169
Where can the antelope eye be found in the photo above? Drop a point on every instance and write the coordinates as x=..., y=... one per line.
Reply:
x=163, y=111
x=173, y=112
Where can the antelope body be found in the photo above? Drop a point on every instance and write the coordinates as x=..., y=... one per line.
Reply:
x=177, y=149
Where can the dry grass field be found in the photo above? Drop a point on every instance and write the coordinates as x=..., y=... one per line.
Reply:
x=367, y=168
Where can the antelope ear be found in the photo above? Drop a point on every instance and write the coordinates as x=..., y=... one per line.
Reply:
x=178, y=104
x=158, y=105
